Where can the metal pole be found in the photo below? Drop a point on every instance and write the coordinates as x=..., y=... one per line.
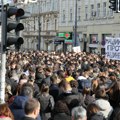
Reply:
x=75, y=27
x=39, y=29
x=3, y=54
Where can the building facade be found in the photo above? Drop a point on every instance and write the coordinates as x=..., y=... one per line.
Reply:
x=42, y=25
x=95, y=21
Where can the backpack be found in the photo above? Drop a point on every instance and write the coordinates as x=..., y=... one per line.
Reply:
x=47, y=103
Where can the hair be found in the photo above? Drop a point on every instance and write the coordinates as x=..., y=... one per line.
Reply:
x=74, y=84
x=79, y=113
x=61, y=107
x=54, y=78
x=44, y=88
x=61, y=74
x=115, y=95
x=101, y=93
x=31, y=105
x=27, y=90
x=5, y=111
x=92, y=109
x=23, y=76
x=63, y=84
x=86, y=91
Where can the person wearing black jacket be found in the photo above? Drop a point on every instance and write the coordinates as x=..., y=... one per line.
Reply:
x=71, y=98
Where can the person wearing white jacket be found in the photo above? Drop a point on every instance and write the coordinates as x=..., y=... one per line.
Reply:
x=103, y=103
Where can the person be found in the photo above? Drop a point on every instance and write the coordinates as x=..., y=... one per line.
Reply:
x=94, y=112
x=54, y=89
x=79, y=113
x=72, y=99
x=47, y=102
x=31, y=110
x=5, y=112
x=61, y=111
x=103, y=103
x=17, y=106
x=48, y=73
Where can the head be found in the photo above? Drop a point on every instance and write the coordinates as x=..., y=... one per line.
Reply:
x=74, y=83
x=27, y=90
x=101, y=93
x=92, y=109
x=45, y=88
x=65, y=86
x=5, y=111
x=54, y=79
x=61, y=107
x=48, y=71
x=79, y=113
x=31, y=109
x=31, y=80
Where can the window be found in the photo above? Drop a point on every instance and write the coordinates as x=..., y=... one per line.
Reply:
x=64, y=16
x=104, y=9
x=48, y=25
x=70, y=14
x=92, y=10
x=98, y=10
x=93, y=38
x=55, y=24
x=111, y=12
x=86, y=12
x=79, y=14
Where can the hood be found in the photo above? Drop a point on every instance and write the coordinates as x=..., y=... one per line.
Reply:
x=105, y=107
x=103, y=104
x=19, y=102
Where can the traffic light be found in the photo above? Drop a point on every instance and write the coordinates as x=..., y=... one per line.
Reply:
x=13, y=27
x=113, y=5
x=118, y=5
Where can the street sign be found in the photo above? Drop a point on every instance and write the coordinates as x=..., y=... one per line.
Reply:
x=61, y=34
x=57, y=42
x=68, y=41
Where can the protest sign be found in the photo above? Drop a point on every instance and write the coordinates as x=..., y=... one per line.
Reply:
x=112, y=48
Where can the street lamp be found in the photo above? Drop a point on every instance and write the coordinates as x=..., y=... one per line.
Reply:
x=75, y=27
x=39, y=29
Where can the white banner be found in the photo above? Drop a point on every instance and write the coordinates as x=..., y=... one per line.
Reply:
x=112, y=48
x=77, y=49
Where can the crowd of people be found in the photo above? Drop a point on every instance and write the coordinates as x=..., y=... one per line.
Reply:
x=56, y=86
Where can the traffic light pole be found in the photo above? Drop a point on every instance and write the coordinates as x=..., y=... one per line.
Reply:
x=3, y=54
x=39, y=29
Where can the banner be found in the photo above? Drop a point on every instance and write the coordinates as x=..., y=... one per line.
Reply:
x=112, y=48
x=77, y=49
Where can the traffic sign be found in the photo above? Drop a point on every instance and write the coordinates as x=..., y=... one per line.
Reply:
x=57, y=42
x=68, y=41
